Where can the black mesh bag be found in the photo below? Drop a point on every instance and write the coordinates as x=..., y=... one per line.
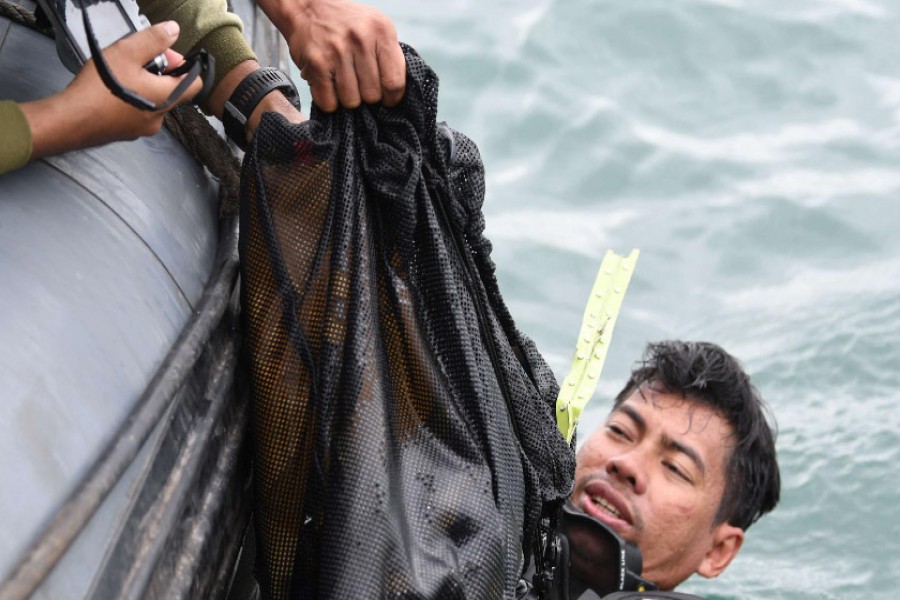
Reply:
x=405, y=438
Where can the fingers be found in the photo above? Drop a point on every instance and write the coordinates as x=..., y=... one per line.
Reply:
x=392, y=69
x=345, y=82
x=128, y=57
x=321, y=85
x=147, y=44
x=368, y=76
x=173, y=60
x=348, y=53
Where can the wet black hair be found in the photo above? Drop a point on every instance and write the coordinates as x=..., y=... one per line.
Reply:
x=704, y=372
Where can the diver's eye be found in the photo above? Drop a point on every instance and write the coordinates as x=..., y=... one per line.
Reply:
x=617, y=431
x=676, y=470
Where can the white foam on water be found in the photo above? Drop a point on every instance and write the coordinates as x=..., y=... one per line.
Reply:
x=579, y=232
x=783, y=143
x=815, y=188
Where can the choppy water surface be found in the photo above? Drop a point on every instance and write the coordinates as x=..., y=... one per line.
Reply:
x=751, y=150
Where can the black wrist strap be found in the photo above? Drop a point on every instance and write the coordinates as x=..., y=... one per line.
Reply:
x=248, y=94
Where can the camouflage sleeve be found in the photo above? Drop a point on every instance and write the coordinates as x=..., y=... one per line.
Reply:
x=15, y=137
x=204, y=24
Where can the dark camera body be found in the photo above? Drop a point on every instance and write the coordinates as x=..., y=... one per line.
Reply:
x=584, y=559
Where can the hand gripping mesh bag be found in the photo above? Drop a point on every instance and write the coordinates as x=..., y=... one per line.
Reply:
x=405, y=441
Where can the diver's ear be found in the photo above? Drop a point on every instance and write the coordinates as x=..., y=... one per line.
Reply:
x=727, y=540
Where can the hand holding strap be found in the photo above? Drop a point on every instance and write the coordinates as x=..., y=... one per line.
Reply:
x=197, y=64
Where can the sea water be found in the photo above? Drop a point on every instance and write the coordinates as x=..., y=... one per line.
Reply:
x=751, y=150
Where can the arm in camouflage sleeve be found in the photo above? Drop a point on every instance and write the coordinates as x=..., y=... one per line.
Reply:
x=204, y=24
x=15, y=137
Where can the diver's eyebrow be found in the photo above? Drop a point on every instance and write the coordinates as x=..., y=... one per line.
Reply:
x=635, y=416
x=686, y=450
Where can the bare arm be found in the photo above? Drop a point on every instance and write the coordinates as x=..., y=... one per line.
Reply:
x=274, y=102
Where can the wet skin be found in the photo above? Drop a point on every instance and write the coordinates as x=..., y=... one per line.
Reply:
x=655, y=473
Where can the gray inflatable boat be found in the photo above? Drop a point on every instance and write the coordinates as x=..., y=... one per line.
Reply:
x=125, y=470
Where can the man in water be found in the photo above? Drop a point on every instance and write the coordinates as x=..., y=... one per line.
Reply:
x=684, y=463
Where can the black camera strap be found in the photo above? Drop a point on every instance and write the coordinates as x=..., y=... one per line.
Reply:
x=197, y=64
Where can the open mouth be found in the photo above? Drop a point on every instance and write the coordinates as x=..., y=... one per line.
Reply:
x=603, y=502
x=607, y=506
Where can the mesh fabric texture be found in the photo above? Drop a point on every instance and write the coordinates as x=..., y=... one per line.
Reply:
x=406, y=445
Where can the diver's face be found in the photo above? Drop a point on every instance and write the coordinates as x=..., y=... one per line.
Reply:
x=654, y=472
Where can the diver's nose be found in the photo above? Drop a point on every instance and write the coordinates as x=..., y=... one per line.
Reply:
x=627, y=467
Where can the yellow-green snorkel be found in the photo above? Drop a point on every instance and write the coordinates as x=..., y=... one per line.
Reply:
x=593, y=341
